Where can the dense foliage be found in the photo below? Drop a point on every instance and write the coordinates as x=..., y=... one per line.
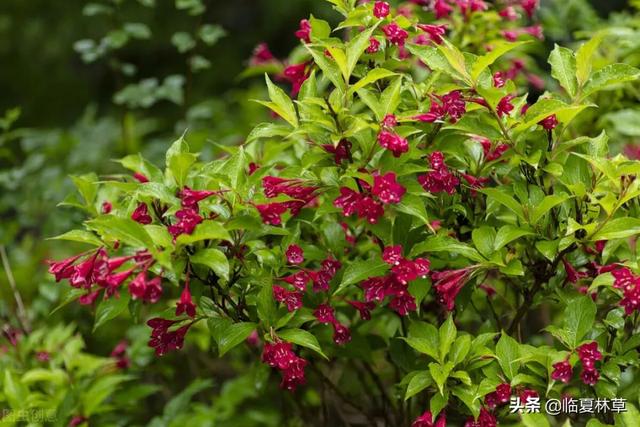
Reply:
x=427, y=227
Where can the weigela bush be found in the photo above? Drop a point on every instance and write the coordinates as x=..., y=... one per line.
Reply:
x=413, y=234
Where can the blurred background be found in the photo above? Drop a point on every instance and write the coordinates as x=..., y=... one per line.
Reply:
x=84, y=82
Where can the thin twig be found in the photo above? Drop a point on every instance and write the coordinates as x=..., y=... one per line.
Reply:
x=22, y=313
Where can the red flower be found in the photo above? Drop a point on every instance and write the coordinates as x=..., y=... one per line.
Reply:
x=82, y=276
x=292, y=299
x=304, y=32
x=528, y=394
x=589, y=354
x=589, y=376
x=163, y=340
x=141, y=214
x=381, y=9
x=119, y=353
x=280, y=355
x=435, y=32
x=439, y=179
x=550, y=122
x=572, y=275
x=299, y=280
x=188, y=219
x=485, y=419
x=89, y=298
x=509, y=13
x=395, y=34
x=190, y=198
x=389, y=121
x=62, y=269
x=185, y=304
x=387, y=189
x=296, y=75
x=294, y=254
x=147, y=290
x=529, y=6
x=261, y=55
x=426, y=420
x=505, y=106
x=393, y=142
x=374, y=45
x=392, y=254
x=442, y=9
x=77, y=420
x=325, y=314
x=364, y=308
x=271, y=213
x=341, y=152
x=448, y=284
x=370, y=209
x=140, y=178
x=562, y=371
x=106, y=207
x=403, y=303
x=341, y=334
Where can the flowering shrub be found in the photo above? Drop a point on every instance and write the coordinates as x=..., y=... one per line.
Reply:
x=413, y=239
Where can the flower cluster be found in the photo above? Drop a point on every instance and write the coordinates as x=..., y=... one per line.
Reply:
x=439, y=178
x=500, y=396
x=448, y=284
x=629, y=284
x=326, y=314
x=300, y=194
x=281, y=356
x=96, y=272
x=426, y=420
x=369, y=202
x=452, y=105
x=163, y=340
x=189, y=216
x=395, y=284
x=588, y=354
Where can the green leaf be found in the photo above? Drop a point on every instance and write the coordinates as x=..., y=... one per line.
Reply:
x=355, y=48
x=446, y=244
x=280, y=103
x=424, y=346
x=361, y=270
x=563, y=69
x=508, y=353
x=79, y=236
x=207, y=230
x=456, y=59
x=545, y=107
x=390, y=98
x=414, y=205
x=484, y=61
x=124, y=230
x=179, y=161
x=507, y=234
x=618, y=228
x=584, y=57
x=319, y=29
x=534, y=420
x=460, y=349
x=214, y=259
x=329, y=68
x=372, y=76
x=548, y=203
x=419, y=382
x=447, y=335
x=579, y=317
x=267, y=309
x=610, y=75
x=110, y=309
x=500, y=196
x=15, y=392
x=440, y=373
x=234, y=335
x=302, y=338
x=484, y=240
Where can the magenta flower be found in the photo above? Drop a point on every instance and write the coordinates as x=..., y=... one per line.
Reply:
x=374, y=45
x=434, y=32
x=529, y=6
x=562, y=371
x=141, y=214
x=395, y=34
x=163, y=340
x=271, y=213
x=340, y=152
x=294, y=254
x=389, y=121
x=261, y=55
x=439, y=179
x=509, y=13
x=106, y=207
x=403, y=303
x=589, y=354
x=505, y=106
x=381, y=9
x=298, y=280
x=393, y=142
x=341, y=334
x=62, y=269
x=550, y=122
x=442, y=9
x=392, y=254
x=364, y=308
x=190, y=198
x=448, y=284
x=188, y=219
x=292, y=299
x=140, y=178
x=325, y=314
x=590, y=376
x=304, y=32
x=185, y=303
x=387, y=189
x=426, y=420
x=280, y=355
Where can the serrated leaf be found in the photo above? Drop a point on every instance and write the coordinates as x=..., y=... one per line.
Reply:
x=610, y=75
x=280, y=103
x=372, y=76
x=110, y=309
x=484, y=61
x=214, y=259
x=79, y=236
x=508, y=353
x=563, y=69
x=579, y=317
x=124, y=230
x=419, y=382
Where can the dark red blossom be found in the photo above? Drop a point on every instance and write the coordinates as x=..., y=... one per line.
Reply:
x=528, y=394
x=393, y=142
x=392, y=254
x=485, y=419
x=562, y=371
x=442, y=8
x=434, y=32
x=374, y=45
x=261, y=55
x=190, y=198
x=500, y=396
x=325, y=314
x=529, y=6
x=188, y=219
x=298, y=280
x=381, y=9
x=395, y=34
x=550, y=122
x=281, y=356
x=292, y=299
x=364, y=308
x=141, y=214
x=387, y=189
x=426, y=420
x=403, y=303
x=119, y=353
x=62, y=269
x=589, y=354
x=448, y=284
x=163, y=340
x=294, y=254
x=505, y=107
x=389, y=121
x=451, y=104
x=589, y=376
x=304, y=32
x=509, y=13
x=106, y=207
x=439, y=179
x=140, y=178
x=147, y=290
x=271, y=213
x=296, y=74
x=341, y=334
x=185, y=304
x=340, y=152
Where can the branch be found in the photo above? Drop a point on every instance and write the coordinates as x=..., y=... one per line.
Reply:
x=21, y=312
